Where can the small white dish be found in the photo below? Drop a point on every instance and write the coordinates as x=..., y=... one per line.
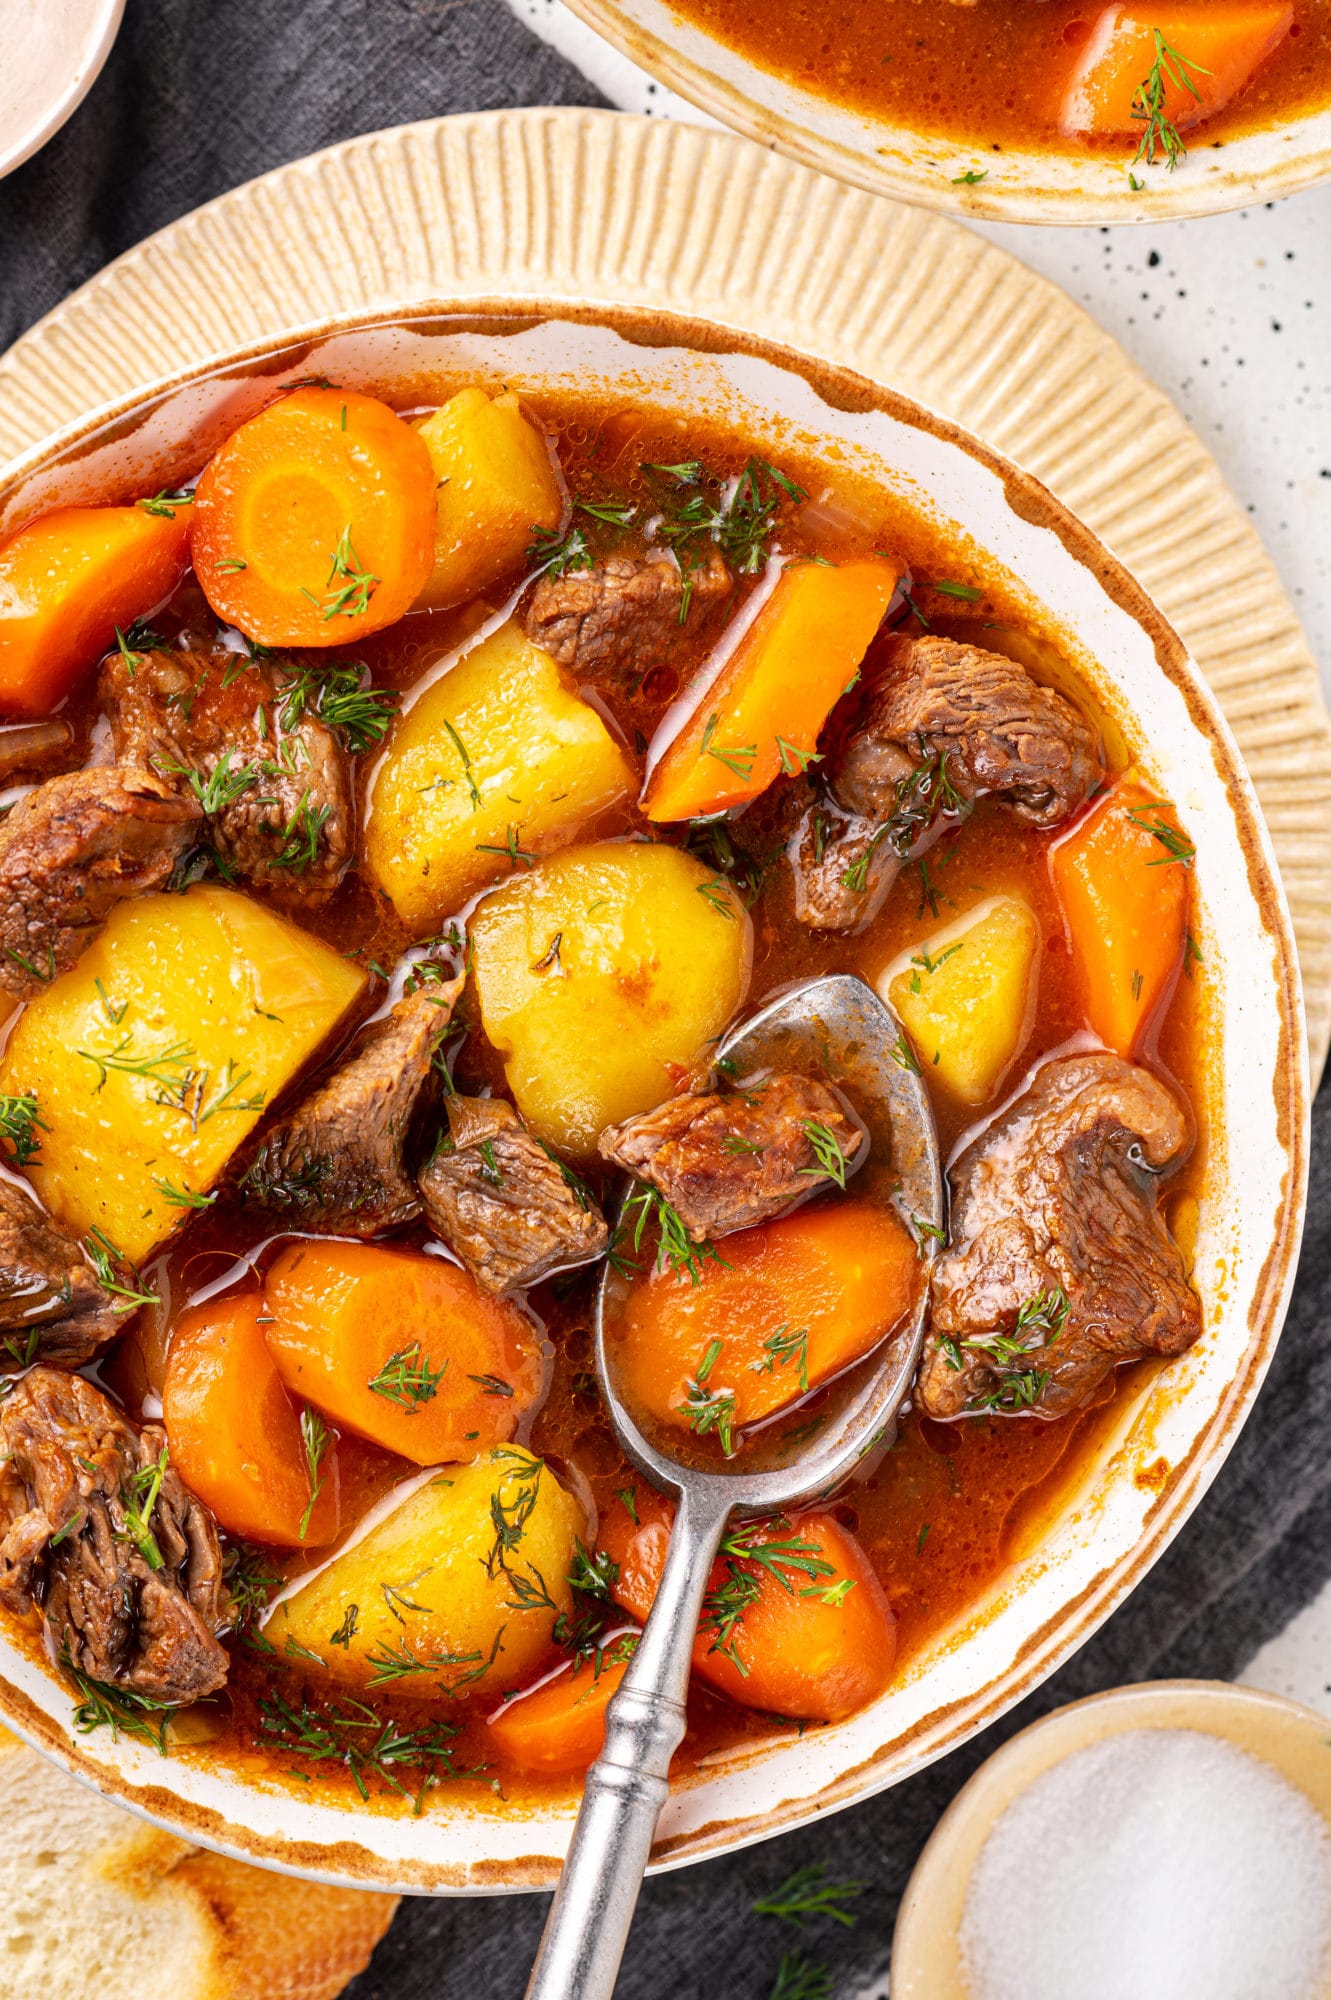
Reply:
x=926, y=1952
x=53, y=52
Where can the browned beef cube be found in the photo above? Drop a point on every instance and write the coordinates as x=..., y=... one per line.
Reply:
x=52, y=1307
x=69, y=852
x=726, y=1161
x=337, y=1162
x=273, y=778
x=100, y=1531
x=497, y=1198
x=1059, y=1264
x=626, y=615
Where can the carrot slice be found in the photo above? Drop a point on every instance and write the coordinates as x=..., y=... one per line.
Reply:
x=314, y=523
x=798, y=1625
x=68, y=580
x=795, y=1301
x=401, y=1347
x=235, y=1433
x=1121, y=876
x=763, y=713
x=558, y=1726
x=1206, y=54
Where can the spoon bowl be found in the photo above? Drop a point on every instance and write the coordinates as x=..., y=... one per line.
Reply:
x=837, y=1026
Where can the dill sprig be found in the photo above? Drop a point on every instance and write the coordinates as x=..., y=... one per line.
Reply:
x=776, y=1551
x=1148, y=104
x=20, y=1124
x=800, y=1978
x=1149, y=817
x=739, y=518
x=250, y=1581
x=316, y=1438
x=826, y=1150
x=557, y=551
x=407, y=1378
x=807, y=1895
x=738, y=758
x=786, y=1349
x=341, y=697
x=300, y=836
x=107, y=1263
x=349, y=587
x=352, y=1735
x=707, y=1409
x=103, y=1705
x=137, y=1508
x=674, y=1245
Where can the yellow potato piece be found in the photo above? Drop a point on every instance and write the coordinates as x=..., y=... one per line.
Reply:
x=599, y=968
x=497, y=762
x=440, y=1603
x=497, y=483
x=966, y=994
x=156, y=1055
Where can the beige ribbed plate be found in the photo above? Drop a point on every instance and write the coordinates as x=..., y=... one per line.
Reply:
x=593, y=206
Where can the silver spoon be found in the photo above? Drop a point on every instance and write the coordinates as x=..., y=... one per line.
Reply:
x=838, y=1025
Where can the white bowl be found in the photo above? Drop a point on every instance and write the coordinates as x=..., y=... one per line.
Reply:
x=1168, y=1438
x=926, y=1953
x=53, y=53
x=1020, y=185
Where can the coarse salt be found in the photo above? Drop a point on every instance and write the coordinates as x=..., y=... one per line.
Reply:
x=1159, y=1864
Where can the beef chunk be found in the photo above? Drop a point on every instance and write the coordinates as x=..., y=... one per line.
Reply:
x=498, y=1199
x=69, y=852
x=274, y=780
x=992, y=728
x=626, y=615
x=843, y=866
x=336, y=1163
x=51, y=1306
x=130, y=1582
x=1059, y=1264
x=727, y=1160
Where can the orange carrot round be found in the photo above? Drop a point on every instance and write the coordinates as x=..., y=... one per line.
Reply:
x=68, y=580
x=558, y=1727
x=402, y=1348
x=795, y=1301
x=314, y=524
x=763, y=715
x=795, y=1620
x=236, y=1435
x=1121, y=876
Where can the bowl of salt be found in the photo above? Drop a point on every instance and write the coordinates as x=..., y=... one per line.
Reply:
x=1170, y=1841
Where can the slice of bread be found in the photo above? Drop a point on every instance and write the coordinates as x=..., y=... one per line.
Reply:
x=96, y=1905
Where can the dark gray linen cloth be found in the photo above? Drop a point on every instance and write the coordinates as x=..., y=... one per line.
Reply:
x=198, y=96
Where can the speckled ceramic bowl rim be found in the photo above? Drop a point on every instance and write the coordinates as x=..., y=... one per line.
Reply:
x=1186, y=1704
x=923, y=168
x=351, y=1862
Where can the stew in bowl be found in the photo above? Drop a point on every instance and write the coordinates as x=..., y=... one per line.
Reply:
x=402, y=809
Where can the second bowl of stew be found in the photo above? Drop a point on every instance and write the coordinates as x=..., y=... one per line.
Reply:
x=1073, y=111
x=422, y=744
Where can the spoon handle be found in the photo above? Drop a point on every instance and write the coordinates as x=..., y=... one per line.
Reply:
x=588, y=1925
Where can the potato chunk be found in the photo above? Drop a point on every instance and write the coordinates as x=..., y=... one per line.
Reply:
x=596, y=971
x=966, y=995
x=154, y=1057
x=498, y=761
x=496, y=483
x=445, y=1597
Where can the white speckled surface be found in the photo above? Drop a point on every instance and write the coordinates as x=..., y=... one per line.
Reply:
x=1229, y=315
